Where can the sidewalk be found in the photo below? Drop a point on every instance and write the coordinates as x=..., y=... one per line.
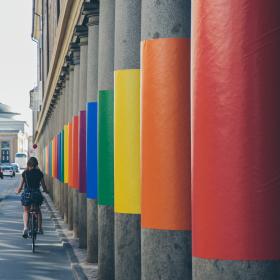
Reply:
x=17, y=262
x=81, y=269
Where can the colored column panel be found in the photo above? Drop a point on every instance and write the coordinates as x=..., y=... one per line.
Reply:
x=75, y=151
x=50, y=159
x=70, y=154
x=92, y=150
x=236, y=148
x=165, y=141
x=66, y=152
x=58, y=139
x=82, y=152
x=53, y=158
x=56, y=156
x=127, y=141
x=106, y=147
x=62, y=156
x=46, y=160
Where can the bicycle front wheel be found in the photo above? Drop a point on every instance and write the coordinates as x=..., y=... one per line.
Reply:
x=34, y=231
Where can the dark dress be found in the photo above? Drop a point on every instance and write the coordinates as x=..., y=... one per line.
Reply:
x=32, y=194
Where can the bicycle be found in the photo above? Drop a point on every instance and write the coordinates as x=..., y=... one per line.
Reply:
x=33, y=224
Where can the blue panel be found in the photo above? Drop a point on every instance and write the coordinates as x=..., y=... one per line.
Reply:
x=91, y=157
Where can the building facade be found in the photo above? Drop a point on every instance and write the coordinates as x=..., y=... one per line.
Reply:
x=157, y=129
x=13, y=135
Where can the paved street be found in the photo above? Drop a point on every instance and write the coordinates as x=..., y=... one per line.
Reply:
x=16, y=259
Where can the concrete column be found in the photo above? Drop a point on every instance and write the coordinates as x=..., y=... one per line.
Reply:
x=49, y=185
x=82, y=202
x=61, y=148
x=65, y=145
x=54, y=149
x=165, y=140
x=60, y=121
x=60, y=92
x=236, y=228
x=75, y=142
x=50, y=154
x=57, y=135
x=70, y=116
x=105, y=156
x=127, y=140
x=92, y=89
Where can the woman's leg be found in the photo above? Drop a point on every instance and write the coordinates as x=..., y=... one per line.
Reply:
x=25, y=216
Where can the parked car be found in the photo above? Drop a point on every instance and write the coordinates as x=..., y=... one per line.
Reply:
x=1, y=173
x=15, y=167
x=8, y=171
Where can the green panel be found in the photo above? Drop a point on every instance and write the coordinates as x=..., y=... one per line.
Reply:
x=106, y=147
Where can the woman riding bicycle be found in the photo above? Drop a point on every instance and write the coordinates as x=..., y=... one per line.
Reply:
x=31, y=180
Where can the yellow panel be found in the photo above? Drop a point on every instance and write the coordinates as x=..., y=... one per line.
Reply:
x=127, y=141
x=65, y=153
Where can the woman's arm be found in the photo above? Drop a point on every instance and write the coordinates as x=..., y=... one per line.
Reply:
x=19, y=189
x=44, y=185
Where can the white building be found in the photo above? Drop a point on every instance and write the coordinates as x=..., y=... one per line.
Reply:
x=13, y=135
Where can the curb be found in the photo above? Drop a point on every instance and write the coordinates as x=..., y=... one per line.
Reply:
x=77, y=270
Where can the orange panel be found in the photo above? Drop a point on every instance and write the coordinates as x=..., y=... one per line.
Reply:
x=165, y=134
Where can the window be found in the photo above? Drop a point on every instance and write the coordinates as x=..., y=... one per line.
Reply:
x=5, y=145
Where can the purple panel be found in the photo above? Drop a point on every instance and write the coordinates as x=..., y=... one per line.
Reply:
x=82, y=152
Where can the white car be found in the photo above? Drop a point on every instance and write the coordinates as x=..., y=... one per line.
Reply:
x=8, y=171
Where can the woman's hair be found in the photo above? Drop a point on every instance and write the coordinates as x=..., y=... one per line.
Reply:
x=32, y=162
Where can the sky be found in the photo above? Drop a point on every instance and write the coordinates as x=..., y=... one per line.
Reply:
x=17, y=56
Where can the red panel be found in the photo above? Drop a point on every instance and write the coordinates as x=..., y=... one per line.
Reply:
x=75, y=150
x=55, y=156
x=236, y=139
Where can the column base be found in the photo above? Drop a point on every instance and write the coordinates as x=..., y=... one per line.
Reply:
x=204, y=269
x=127, y=247
x=166, y=254
x=92, y=231
x=106, y=267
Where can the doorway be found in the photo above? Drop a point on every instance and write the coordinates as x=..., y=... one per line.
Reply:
x=5, y=152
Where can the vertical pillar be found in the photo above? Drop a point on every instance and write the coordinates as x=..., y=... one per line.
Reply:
x=65, y=145
x=50, y=154
x=105, y=141
x=59, y=137
x=236, y=163
x=70, y=144
x=75, y=139
x=57, y=151
x=54, y=151
x=127, y=140
x=92, y=88
x=60, y=146
x=82, y=202
x=165, y=140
